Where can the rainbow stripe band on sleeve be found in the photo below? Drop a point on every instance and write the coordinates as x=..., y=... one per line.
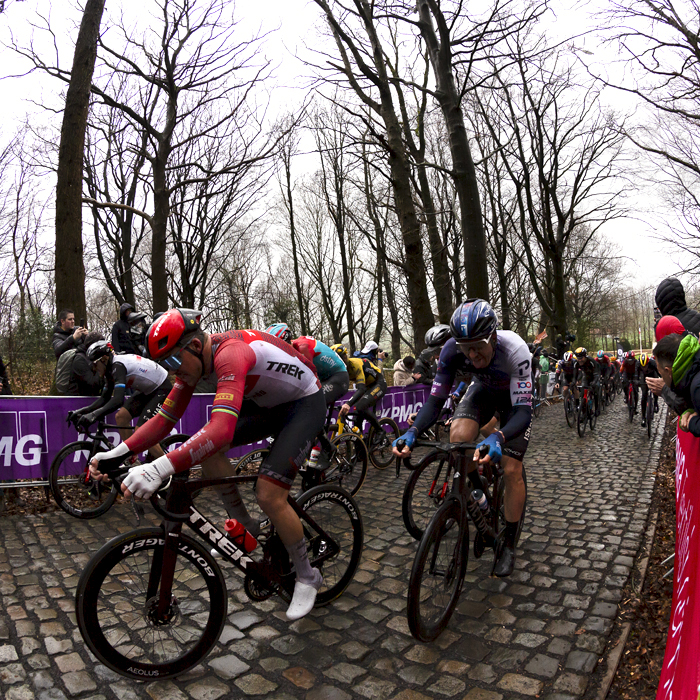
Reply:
x=225, y=409
x=168, y=416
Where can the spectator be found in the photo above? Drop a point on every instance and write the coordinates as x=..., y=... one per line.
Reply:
x=4, y=381
x=373, y=353
x=121, y=339
x=667, y=325
x=425, y=365
x=84, y=381
x=137, y=331
x=403, y=372
x=65, y=335
x=670, y=298
x=678, y=361
x=561, y=346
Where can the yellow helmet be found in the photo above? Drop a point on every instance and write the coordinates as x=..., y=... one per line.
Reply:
x=340, y=349
x=644, y=359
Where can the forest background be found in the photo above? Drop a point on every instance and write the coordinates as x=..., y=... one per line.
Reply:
x=355, y=169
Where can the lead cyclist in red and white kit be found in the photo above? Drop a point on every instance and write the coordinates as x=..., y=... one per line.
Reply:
x=264, y=388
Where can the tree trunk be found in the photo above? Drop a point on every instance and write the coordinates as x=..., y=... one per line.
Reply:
x=161, y=212
x=293, y=235
x=70, y=269
x=463, y=170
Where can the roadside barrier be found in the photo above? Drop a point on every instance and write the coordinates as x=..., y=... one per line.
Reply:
x=33, y=429
x=680, y=675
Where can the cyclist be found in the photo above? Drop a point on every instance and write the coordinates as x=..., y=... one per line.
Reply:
x=606, y=367
x=145, y=378
x=588, y=373
x=264, y=388
x=630, y=373
x=647, y=369
x=564, y=375
x=500, y=364
x=370, y=386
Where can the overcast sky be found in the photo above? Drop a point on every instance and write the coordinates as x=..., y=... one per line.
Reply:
x=293, y=24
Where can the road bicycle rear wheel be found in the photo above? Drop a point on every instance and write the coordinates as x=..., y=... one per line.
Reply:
x=592, y=417
x=337, y=514
x=71, y=486
x=425, y=491
x=630, y=403
x=438, y=572
x=650, y=413
x=379, y=443
x=116, y=604
x=349, y=464
x=569, y=410
x=582, y=417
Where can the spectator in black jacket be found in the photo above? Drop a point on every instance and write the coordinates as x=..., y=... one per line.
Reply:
x=4, y=380
x=425, y=365
x=121, y=338
x=84, y=380
x=670, y=298
x=65, y=334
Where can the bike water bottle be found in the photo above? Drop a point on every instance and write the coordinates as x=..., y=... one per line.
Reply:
x=241, y=537
x=480, y=497
x=313, y=457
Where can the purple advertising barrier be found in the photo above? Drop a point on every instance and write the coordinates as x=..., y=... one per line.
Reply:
x=33, y=429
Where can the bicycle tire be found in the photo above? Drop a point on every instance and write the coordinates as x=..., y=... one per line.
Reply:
x=650, y=412
x=630, y=404
x=72, y=488
x=349, y=465
x=581, y=417
x=382, y=455
x=135, y=647
x=536, y=406
x=499, y=520
x=335, y=510
x=592, y=417
x=438, y=572
x=569, y=411
x=424, y=492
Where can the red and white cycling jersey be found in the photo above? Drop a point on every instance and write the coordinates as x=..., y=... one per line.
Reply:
x=248, y=365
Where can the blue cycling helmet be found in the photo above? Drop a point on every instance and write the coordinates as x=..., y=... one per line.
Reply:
x=601, y=354
x=281, y=331
x=473, y=320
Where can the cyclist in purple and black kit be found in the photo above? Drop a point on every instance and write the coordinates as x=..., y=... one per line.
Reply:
x=500, y=364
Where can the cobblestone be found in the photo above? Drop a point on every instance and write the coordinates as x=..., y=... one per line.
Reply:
x=539, y=633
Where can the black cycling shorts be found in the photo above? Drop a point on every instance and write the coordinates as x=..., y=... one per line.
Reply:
x=145, y=406
x=481, y=404
x=294, y=426
x=371, y=395
x=335, y=386
x=566, y=379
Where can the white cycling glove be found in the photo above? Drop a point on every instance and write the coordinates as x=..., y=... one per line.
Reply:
x=121, y=450
x=145, y=479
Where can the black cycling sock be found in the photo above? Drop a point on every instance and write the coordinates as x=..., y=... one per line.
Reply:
x=510, y=534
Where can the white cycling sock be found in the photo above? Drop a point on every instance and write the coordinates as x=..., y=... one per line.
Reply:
x=300, y=558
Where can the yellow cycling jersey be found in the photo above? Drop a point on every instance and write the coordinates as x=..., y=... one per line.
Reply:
x=362, y=371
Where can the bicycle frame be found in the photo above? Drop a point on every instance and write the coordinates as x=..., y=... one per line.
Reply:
x=179, y=509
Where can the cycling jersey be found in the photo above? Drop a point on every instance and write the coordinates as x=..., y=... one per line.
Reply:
x=565, y=368
x=589, y=370
x=137, y=373
x=507, y=377
x=326, y=361
x=651, y=369
x=363, y=371
x=630, y=367
x=248, y=365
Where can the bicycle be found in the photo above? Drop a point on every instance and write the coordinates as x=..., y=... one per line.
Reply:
x=72, y=487
x=649, y=412
x=569, y=408
x=586, y=411
x=379, y=444
x=345, y=464
x=151, y=603
x=631, y=400
x=440, y=563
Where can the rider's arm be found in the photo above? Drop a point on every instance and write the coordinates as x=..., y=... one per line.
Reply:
x=305, y=347
x=520, y=396
x=155, y=429
x=360, y=383
x=233, y=362
x=118, y=385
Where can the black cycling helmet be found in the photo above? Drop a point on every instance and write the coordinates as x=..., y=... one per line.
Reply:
x=98, y=349
x=438, y=335
x=475, y=319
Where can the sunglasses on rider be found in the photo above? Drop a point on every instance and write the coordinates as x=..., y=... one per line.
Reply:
x=174, y=362
x=477, y=345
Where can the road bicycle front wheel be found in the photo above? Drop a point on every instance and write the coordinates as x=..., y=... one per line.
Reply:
x=569, y=411
x=425, y=491
x=349, y=463
x=379, y=443
x=117, y=598
x=71, y=486
x=582, y=417
x=337, y=514
x=438, y=572
x=592, y=417
x=630, y=404
x=650, y=413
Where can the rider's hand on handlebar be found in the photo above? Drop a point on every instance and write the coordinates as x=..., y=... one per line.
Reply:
x=144, y=480
x=489, y=450
x=402, y=446
x=120, y=452
x=344, y=410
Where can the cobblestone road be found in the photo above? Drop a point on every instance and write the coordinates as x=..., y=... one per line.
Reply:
x=539, y=633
